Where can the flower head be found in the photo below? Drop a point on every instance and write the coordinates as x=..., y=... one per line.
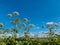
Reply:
x=26, y=20
x=16, y=13
x=17, y=20
x=1, y=24
x=56, y=24
x=31, y=25
x=13, y=22
x=23, y=24
x=9, y=15
x=26, y=28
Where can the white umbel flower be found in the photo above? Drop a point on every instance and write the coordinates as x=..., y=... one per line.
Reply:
x=23, y=24
x=26, y=20
x=31, y=25
x=1, y=25
x=9, y=15
x=16, y=13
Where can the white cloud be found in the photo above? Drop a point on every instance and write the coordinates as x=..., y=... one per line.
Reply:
x=43, y=34
x=50, y=23
x=8, y=34
x=31, y=35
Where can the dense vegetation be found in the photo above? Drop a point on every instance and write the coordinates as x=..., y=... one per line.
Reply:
x=19, y=24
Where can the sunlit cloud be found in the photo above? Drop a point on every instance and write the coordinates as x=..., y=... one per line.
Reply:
x=50, y=23
x=31, y=35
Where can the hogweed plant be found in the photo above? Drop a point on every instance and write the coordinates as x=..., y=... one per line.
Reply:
x=18, y=24
x=52, y=28
x=8, y=36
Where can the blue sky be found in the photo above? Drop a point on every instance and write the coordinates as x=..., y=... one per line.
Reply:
x=38, y=11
